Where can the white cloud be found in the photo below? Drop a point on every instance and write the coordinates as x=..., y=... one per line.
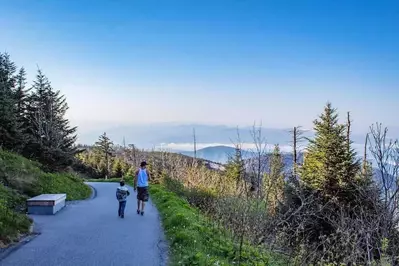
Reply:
x=190, y=146
x=245, y=146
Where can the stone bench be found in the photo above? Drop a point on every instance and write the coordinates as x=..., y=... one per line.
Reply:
x=46, y=204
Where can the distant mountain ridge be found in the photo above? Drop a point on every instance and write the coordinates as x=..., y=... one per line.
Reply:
x=150, y=135
x=221, y=154
x=218, y=154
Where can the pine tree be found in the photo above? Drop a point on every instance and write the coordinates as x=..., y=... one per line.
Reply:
x=235, y=167
x=52, y=139
x=125, y=167
x=117, y=168
x=11, y=136
x=104, y=147
x=21, y=101
x=274, y=180
x=329, y=166
x=102, y=168
x=131, y=172
x=21, y=93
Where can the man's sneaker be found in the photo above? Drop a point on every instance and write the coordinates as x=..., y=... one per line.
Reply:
x=138, y=211
x=142, y=213
x=122, y=216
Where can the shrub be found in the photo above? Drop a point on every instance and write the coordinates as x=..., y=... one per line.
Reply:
x=19, y=173
x=196, y=240
x=12, y=223
x=204, y=199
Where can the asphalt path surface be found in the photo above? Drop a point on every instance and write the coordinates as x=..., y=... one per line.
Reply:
x=90, y=233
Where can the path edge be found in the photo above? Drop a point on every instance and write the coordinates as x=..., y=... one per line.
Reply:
x=163, y=245
x=33, y=232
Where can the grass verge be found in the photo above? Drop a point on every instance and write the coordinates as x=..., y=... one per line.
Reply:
x=196, y=240
x=13, y=223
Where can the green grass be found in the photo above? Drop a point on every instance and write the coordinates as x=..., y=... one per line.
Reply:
x=19, y=173
x=21, y=179
x=70, y=184
x=12, y=222
x=196, y=240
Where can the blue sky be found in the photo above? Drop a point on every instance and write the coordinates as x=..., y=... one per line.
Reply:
x=211, y=62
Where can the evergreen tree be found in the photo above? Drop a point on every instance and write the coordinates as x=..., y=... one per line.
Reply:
x=52, y=139
x=329, y=166
x=125, y=167
x=104, y=148
x=102, y=168
x=131, y=172
x=21, y=101
x=235, y=167
x=117, y=168
x=10, y=129
x=21, y=94
x=274, y=180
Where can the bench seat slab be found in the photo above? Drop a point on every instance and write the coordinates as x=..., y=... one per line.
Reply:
x=46, y=204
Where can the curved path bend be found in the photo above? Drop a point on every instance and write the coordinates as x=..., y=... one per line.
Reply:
x=90, y=233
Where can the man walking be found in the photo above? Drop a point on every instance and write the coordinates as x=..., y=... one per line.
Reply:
x=141, y=185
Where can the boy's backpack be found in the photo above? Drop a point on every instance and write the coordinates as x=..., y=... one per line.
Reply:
x=122, y=194
x=119, y=195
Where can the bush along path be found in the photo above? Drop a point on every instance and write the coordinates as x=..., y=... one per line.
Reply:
x=91, y=233
x=197, y=240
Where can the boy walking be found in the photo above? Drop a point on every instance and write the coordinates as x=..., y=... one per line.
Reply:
x=121, y=194
x=141, y=184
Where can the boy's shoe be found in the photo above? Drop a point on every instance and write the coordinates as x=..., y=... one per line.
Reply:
x=122, y=216
x=142, y=213
x=138, y=211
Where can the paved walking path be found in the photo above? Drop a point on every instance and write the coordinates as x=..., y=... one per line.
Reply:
x=90, y=233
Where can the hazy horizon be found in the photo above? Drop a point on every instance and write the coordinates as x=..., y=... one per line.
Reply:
x=178, y=137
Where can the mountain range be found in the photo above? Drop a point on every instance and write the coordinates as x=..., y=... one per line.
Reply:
x=221, y=154
x=152, y=135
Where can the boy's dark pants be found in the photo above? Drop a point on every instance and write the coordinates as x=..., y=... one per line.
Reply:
x=121, y=210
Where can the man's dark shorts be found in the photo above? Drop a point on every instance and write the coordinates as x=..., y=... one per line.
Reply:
x=142, y=193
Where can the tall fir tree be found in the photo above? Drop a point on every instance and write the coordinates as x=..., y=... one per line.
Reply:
x=21, y=102
x=21, y=94
x=52, y=139
x=274, y=180
x=11, y=137
x=330, y=167
x=235, y=167
x=104, y=148
x=117, y=168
